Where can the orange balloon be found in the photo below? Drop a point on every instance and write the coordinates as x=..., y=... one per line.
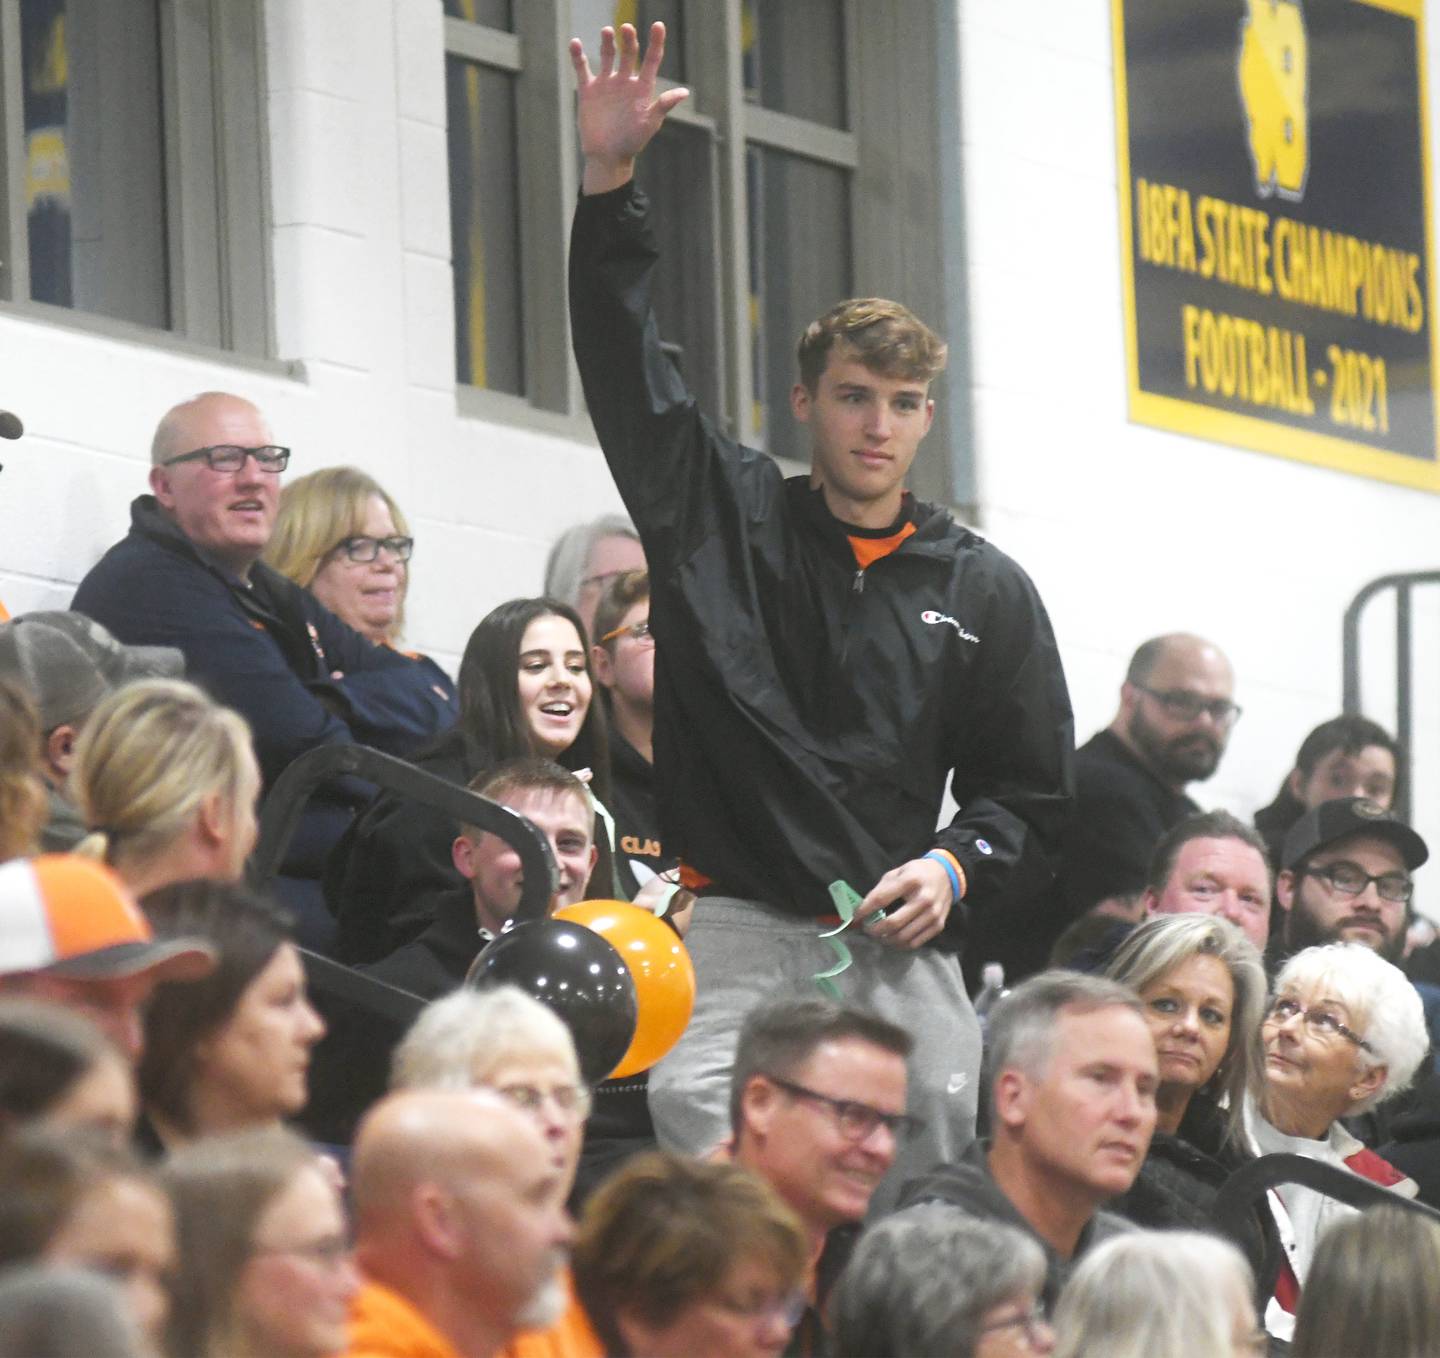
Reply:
x=664, y=976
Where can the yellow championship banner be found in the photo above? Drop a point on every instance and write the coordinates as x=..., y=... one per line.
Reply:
x=1274, y=175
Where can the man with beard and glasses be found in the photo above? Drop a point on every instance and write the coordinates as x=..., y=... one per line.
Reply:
x=1176, y=713
x=1345, y=878
x=1175, y=717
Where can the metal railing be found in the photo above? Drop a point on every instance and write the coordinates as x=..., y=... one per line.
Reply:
x=366, y=1017
x=1404, y=586
x=285, y=802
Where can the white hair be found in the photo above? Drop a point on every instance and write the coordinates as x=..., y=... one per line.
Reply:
x=1385, y=1008
x=570, y=554
x=1156, y=1294
x=459, y=1041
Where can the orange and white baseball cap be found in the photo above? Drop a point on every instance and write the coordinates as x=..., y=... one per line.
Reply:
x=70, y=917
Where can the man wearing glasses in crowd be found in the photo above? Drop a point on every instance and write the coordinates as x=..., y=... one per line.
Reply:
x=1175, y=717
x=817, y=1110
x=1346, y=878
x=189, y=575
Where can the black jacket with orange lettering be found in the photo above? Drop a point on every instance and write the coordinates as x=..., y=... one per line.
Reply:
x=808, y=714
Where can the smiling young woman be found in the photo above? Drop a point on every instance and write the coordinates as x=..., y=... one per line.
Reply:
x=526, y=685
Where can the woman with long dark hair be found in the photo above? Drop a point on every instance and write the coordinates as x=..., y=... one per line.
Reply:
x=525, y=688
x=230, y=1051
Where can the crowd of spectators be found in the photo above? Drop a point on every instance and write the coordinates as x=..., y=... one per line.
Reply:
x=842, y=1159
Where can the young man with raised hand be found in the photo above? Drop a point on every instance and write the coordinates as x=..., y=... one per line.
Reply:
x=831, y=651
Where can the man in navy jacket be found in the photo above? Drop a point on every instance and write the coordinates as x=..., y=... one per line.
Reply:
x=189, y=575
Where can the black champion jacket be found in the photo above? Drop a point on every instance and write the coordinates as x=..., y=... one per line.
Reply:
x=807, y=714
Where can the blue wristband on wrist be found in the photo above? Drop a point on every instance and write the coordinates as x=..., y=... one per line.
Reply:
x=949, y=872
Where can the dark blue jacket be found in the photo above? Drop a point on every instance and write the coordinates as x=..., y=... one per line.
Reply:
x=266, y=648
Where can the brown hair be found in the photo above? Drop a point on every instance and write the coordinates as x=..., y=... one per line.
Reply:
x=530, y=773
x=621, y=595
x=883, y=335
x=662, y=1234
x=23, y=805
x=1372, y=1287
x=45, y=1173
x=220, y=1188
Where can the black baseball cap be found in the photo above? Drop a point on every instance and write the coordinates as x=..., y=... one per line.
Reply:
x=1346, y=816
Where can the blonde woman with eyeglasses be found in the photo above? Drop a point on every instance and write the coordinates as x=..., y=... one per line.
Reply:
x=342, y=537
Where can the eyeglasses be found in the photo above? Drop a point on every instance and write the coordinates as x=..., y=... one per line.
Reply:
x=367, y=549
x=329, y=1251
x=788, y=1309
x=605, y=577
x=572, y=1100
x=230, y=457
x=1321, y=1022
x=636, y=631
x=1185, y=706
x=856, y=1120
x=1033, y=1320
x=1350, y=879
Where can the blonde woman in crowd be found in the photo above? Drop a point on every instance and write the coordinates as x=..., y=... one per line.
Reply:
x=264, y=1264
x=1160, y=1294
x=166, y=780
x=339, y=535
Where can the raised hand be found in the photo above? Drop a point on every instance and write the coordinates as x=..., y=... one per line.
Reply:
x=618, y=108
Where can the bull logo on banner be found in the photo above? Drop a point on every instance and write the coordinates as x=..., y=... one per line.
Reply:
x=1274, y=92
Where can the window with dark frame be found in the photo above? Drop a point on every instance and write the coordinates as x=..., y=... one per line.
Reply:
x=763, y=217
x=134, y=190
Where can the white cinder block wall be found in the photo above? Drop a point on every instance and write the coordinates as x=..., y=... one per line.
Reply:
x=1128, y=531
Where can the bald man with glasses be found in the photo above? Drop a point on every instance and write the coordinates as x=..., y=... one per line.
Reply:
x=189, y=575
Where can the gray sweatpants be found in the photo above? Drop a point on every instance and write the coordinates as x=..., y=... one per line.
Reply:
x=746, y=953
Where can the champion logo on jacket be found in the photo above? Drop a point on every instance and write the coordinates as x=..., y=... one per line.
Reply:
x=932, y=617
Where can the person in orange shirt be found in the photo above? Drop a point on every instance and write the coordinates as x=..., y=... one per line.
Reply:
x=504, y=1041
x=460, y=1227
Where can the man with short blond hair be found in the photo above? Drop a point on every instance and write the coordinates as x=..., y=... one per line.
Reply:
x=460, y=1227
x=833, y=653
x=469, y=915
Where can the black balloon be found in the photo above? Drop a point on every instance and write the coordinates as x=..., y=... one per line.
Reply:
x=576, y=973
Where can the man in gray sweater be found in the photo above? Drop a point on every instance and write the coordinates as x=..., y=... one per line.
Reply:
x=1072, y=1109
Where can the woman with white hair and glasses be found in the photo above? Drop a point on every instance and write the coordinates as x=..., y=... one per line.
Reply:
x=934, y=1280
x=1344, y=1031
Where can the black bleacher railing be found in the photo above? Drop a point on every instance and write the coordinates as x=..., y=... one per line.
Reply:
x=366, y=1017
x=1404, y=587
